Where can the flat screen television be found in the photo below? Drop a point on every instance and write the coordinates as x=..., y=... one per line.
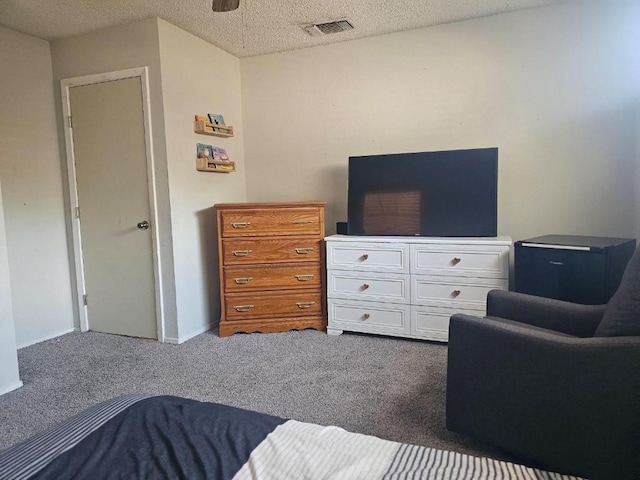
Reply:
x=450, y=193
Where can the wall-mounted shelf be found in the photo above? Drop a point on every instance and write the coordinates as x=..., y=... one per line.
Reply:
x=208, y=128
x=209, y=165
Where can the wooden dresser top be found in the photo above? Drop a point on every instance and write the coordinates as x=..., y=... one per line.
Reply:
x=222, y=206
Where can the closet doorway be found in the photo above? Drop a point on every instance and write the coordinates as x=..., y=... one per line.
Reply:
x=110, y=176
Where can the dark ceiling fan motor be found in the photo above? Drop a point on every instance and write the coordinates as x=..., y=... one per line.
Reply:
x=225, y=5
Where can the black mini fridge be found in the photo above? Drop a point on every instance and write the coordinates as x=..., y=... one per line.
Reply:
x=578, y=269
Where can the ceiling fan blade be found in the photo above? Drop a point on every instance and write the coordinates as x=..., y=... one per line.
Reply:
x=225, y=5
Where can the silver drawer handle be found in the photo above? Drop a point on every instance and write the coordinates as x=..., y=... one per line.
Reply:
x=243, y=308
x=305, y=304
x=304, y=250
x=241, y=253
x=302, y=222
x=303, y=278
x=240, y=224
x=242, y=280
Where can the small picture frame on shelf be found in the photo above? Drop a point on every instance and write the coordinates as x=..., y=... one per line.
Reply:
x=204, y=151
x=216, y=119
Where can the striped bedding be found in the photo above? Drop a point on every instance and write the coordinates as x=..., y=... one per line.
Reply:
x=146, y=436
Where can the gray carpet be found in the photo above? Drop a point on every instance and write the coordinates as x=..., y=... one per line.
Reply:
x=389, y=387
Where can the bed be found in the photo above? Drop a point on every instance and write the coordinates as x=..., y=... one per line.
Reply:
x=167, y=437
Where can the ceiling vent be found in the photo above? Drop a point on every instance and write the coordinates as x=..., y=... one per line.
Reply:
x=326, y=28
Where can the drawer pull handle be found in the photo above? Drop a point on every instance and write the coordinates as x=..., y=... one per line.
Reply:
x=365, y=316
x=302, y=222
x=365, y=286
x=364, y=257
x=552, y=262
x=455, y=260
x=303, y=278
x=305, y=304
x=240, y=224
x=243, y=308
x=304, y=250
x=455, y=293
x=242, y=280
x=241, y=253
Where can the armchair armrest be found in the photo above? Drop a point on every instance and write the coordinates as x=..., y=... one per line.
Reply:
x=566, y=317
x=565, y=403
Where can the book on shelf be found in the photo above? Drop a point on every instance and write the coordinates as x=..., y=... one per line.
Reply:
x=216, y=119
x=220, y=154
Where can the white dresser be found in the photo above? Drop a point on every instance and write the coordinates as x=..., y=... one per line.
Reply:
x=410, y=286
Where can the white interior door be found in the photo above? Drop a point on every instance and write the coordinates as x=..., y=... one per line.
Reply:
x=113, y=197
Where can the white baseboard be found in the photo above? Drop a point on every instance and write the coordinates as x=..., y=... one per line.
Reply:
x=195, y=333
x=48, y=337
x=188, y=336
x=172, y=340
x=9, y=388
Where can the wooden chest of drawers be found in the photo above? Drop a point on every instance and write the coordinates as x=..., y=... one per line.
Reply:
x=271, y=258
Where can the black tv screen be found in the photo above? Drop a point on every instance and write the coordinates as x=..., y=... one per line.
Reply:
x=450, y=193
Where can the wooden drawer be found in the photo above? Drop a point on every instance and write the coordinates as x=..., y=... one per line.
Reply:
x=453, y=291
x=381, y=287
x=286, y=304
x=265, y=222
x=460, y=260
x=362, y=256
x=271, y=250
x=373, y=317
x=273, y=277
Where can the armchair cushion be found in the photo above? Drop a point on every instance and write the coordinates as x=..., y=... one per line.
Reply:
x=622, y=314
x=549, y=313
x=529, y=327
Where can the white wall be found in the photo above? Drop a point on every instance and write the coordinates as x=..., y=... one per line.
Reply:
x=555, y=88
x=32, y=194
x=9, y=375
x=198, y=78
x=120, y=48
x=637, y=196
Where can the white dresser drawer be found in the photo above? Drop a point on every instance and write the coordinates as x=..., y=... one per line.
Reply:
x=363, y=256
x=372, y=317
x=432, y=323
x=454, y=292
x=381, y=287
x=460, y=260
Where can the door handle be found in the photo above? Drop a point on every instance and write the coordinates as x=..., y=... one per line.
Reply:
x=143, y=225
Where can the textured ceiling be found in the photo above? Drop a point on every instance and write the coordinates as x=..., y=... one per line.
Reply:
x=258, y=27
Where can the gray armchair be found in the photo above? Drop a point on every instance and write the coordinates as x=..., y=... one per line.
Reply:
x=554, y=383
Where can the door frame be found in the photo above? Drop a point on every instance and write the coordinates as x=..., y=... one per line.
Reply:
x=65, y=85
